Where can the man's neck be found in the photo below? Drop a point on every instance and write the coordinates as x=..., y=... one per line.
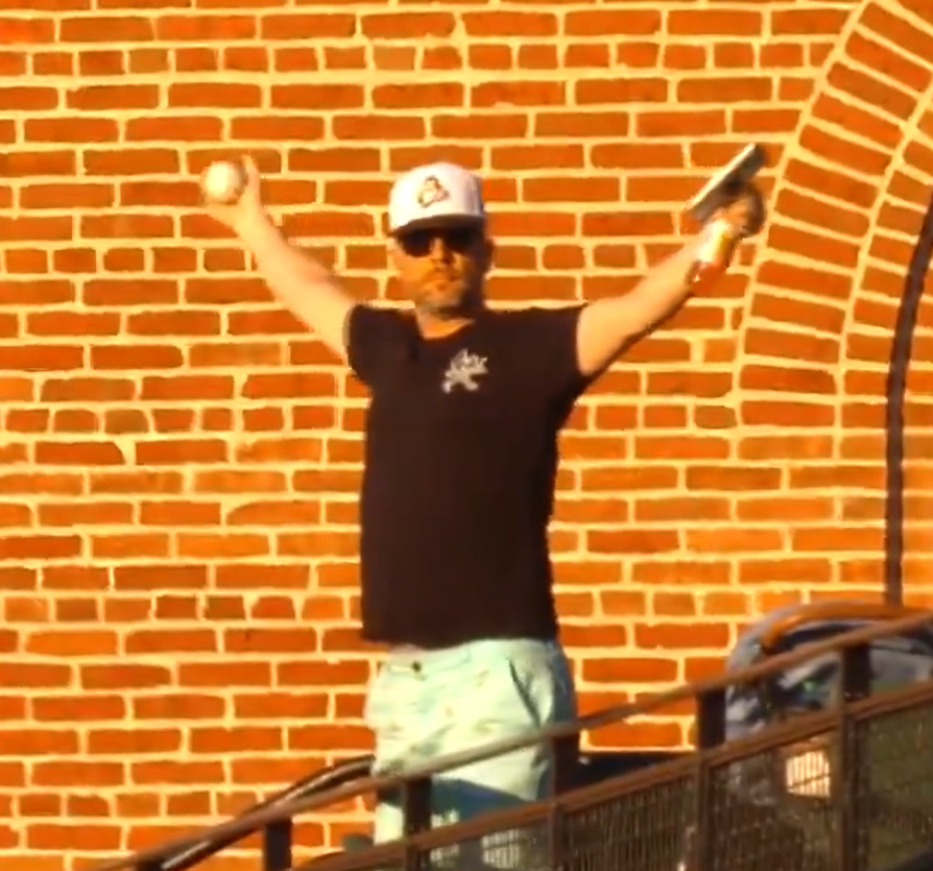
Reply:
x=434, y=326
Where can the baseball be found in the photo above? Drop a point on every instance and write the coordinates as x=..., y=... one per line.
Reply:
x=223, y=182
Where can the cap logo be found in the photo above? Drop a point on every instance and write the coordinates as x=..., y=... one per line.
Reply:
x=431, y=192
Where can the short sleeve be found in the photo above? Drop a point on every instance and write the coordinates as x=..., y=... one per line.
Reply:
x=373, y=337
x=554, y=333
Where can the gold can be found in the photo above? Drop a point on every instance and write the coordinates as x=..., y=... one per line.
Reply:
x=717, y=244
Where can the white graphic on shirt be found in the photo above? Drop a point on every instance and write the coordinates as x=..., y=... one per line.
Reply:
x=463, y=371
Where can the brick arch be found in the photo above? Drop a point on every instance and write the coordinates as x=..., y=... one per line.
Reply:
x=817, y=336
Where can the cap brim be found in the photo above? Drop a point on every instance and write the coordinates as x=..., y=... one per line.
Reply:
x=438, y=221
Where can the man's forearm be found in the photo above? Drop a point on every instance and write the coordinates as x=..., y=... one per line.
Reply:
x=289, y=272
x=610, y=324
x=304, y=286
x=662, y=290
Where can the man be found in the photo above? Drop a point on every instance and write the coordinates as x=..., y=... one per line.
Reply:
x=460, y=460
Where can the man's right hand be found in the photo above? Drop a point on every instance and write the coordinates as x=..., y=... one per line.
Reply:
x=248, y=210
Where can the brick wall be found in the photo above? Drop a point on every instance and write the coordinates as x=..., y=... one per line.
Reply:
x=179, y=459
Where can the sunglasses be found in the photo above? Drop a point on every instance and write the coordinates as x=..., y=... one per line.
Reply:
x=460, y=240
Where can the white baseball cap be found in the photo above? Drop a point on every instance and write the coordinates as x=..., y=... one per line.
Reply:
x=437, y=194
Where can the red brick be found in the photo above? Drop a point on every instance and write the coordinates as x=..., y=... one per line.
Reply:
x=820, y=214
x=842, y=151
x=105, y=28
x=876, y=56
x=407, y=26
x=829, y=250
x=623, y=90
x=513, y=93
x=83, y=130
x=808, y=21
x=224, y=95
x=642, y=22
x=316, y=97
x=62, y=196
x=32, y=31
x=176, y=28
x=725, y=89
x=868, y=89
x=677, y=122
x=510, y=24
x=135, y=330
x=685, y=57
x=714, y=22
x=102, y=98
x=898, y=31
x=310, y=26
x=418, y=96
x=28, y=98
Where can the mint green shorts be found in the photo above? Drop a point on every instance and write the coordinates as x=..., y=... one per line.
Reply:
x=423, y=705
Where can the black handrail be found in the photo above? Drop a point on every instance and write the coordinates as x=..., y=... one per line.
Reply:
x=339, y=774
x=895, y=395
x=843, y=644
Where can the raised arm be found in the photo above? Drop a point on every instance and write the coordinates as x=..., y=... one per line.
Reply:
x=308, y=289
x=609, y=325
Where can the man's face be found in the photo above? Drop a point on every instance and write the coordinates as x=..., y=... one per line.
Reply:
x=441, y=269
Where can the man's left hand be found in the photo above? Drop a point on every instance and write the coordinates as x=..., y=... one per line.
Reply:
x=746, y=213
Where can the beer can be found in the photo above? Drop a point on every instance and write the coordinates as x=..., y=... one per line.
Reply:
x=716, y=243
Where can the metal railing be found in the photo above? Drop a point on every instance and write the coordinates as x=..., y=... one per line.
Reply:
x=728, y=806
x=276, y=836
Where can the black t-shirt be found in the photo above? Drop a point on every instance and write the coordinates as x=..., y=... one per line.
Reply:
x=460, y=462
